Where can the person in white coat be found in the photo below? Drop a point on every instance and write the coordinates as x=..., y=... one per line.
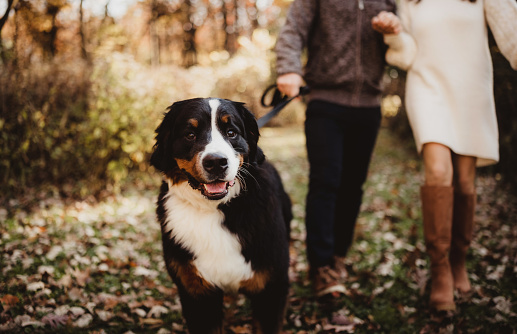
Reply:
x=443, y=44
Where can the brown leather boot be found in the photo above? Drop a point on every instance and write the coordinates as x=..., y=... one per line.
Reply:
x=437, y=202
x=462, y=228
x=325, y=281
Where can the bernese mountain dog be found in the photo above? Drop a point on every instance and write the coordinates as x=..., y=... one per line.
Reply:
x=223, y=212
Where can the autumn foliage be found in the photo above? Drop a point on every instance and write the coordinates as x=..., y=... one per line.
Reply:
x=81, y=93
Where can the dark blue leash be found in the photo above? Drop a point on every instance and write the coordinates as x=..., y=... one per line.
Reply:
x=278, y=102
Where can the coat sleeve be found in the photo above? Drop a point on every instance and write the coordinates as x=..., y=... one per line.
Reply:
x=402, y=47
x=294, y=35
x=401, y=50
x=501, y=16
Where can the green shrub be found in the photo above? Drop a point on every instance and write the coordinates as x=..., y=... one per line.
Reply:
x=82, y=126
x=40, y=110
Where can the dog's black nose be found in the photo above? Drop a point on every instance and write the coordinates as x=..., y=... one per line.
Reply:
x=215, y=163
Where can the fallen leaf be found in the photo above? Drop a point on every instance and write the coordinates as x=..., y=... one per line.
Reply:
x=9, y=301
x=35, y=286
x=151, y=321
x=77, y=311
x=104, y=315
x=46, y=270
x=75, y=294
x=54, y=320
x=84, y=321
x=140, y=312
x=65, y=281
x=81, y=277
x=240, y=329
x=157, y=311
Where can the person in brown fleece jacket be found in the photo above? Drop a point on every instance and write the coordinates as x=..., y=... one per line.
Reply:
x=344, y=69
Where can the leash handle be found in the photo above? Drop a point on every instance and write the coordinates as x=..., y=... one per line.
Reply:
x=278, y=102
x=278, y=97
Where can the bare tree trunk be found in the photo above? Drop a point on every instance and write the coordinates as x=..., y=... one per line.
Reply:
x=189, y=48
x=15, y=37
x=106, y=13
x=153, y=35
x=48, y=41
x=189, y=42
x=84, y=53
x=254, y=18
x=155, y=44
x=230, y=25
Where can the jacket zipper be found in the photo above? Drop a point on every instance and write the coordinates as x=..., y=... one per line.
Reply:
x=358, y=64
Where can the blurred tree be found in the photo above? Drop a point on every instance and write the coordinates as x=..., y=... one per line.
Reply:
x=155, y=7
x=230, y=25
x=49, y=33
x=36, y=25
x=190, y=24
x=84, y=52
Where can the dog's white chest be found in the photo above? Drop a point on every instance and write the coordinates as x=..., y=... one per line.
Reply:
x=197, y=226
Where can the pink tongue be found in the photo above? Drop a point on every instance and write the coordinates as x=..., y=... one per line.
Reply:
x=216, y=187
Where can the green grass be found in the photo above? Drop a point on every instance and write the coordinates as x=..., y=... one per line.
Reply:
x=99, y=263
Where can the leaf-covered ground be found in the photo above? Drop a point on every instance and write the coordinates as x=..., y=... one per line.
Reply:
x=96, y=267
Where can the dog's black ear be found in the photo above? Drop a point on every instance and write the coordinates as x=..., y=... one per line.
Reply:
x=252, y=134
x=162, y=158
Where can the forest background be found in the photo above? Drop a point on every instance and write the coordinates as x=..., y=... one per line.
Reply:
x=81, y=91
x=83, y=85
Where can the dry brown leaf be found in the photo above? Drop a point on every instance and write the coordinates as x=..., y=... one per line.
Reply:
x=81, y=277
x=8, y=301
x=75, y=294
x=240, y=329
x=151, y=321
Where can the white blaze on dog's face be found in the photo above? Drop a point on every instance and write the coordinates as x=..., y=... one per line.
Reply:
x=219, y=161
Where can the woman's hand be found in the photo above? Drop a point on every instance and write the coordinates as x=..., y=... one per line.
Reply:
x=387, y=23
x=289, y=84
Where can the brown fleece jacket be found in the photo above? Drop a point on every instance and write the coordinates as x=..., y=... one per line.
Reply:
x=345, y=55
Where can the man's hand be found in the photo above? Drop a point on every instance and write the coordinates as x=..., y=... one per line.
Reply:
x=289, y=84
x=387, y=23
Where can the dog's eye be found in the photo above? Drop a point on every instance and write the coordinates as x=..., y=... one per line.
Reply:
x=231, y=133
x=190, y=136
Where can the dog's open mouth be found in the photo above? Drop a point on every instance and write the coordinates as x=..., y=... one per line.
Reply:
x=213, y=190
x=216, y=190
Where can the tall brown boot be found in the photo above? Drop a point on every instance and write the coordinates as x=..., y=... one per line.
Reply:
x=437, y=203
x=462, y=228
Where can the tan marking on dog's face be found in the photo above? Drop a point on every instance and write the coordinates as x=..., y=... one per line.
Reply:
x=225, y=119
x=194, y=122
x=190, y=278
x=256, y=283
x=193, y=167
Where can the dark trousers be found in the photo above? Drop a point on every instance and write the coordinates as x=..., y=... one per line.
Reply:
x=340, y=141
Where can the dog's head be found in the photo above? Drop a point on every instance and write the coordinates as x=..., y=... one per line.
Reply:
x=205, y=142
